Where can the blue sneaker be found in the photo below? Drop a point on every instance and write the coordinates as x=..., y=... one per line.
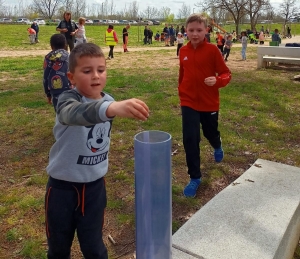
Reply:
x=191, y=189
x=219, y=154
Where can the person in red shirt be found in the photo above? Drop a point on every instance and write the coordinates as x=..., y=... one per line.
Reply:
x=202, y=73
x=220, y=42
x=32, y=34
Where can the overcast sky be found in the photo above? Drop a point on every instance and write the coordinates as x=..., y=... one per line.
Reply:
x=143, y=4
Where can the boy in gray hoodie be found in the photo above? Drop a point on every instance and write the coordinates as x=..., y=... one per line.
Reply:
x=75, y=197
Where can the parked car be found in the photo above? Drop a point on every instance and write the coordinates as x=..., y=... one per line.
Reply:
x=133, y=22
x=24, y=21
x=123, y=21
x=294, y=19
x=147, y=22
x=5, y=20
x=155, y=22
x=97, y=21
x=40, y=21
x=88, y=21
x=115, y=21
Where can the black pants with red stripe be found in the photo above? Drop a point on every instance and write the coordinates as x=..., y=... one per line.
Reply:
x=191, y=120
x=71, y=207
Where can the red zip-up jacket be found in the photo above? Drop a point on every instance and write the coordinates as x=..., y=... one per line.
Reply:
x=196, y=65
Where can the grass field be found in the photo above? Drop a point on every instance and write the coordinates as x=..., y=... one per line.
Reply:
x=259, y=118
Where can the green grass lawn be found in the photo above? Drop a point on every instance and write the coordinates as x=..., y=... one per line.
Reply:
x=259, y=118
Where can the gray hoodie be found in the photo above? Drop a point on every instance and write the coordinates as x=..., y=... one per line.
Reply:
x=82, y=133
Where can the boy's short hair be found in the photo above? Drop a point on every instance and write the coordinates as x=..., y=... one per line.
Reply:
x=58, y=41
x=196, y=17
x=83, y=50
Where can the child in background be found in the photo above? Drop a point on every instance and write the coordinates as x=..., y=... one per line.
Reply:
x=261, y=38
x=227, y=47
x=75, y=197
x=111, y=40
x=198, y=87
x=32, y=35
x=157, y=36
x=244, y=40
x=220, y=42
x=80, y=34
x=180, y=42
x=56, y=64
x=276, y=36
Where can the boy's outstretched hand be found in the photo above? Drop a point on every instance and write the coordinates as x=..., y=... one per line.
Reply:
x=131, y=108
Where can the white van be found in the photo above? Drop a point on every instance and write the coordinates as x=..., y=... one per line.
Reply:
x=40, y=21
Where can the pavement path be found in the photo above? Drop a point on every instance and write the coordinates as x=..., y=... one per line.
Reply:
x=22, y=53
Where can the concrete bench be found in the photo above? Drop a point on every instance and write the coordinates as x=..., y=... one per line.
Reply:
x=256, y=217
x=287, y=54
x=268, y=59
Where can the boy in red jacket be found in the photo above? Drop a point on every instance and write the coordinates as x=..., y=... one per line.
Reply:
x=202, y=72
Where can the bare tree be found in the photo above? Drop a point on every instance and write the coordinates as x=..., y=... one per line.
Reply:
x=150, y=12
x=254, y=9
x=164, y=13
x=287, y=9
x=234, y=7
x=79, y=8
x=132, y=10
x=184, y=11
x=46, y=8
x=112, y=8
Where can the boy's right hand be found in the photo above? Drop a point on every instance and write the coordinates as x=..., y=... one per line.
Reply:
x=131, y=108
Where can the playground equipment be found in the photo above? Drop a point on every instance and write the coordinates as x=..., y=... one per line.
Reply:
x=153, y=195
x=212, y=23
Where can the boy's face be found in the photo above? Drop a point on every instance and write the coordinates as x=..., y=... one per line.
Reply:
x=196, y=32
x=89, y=76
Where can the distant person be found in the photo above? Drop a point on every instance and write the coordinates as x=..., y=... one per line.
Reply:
x=198, y=88
x=261, y=38
x=227, y=47
x=180, y=42
x=80, y=34
x=31, y=35
x=244, y=41
x=220, y=42
x=56, y=64
x=289, y=35
x=177, y=29
x=76, y=198
x=172, y=35
x=182, y=30
x=166, y=33
x=234, y=39
x=276, y=37
x=111, y=40
x=208, y=32
x=150, y=36
x=146, y=35
x=125, y=37
x=68, y=28
x=157, y=36
x=35, y=26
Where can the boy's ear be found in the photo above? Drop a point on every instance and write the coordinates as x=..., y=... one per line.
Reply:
x=71, y=78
